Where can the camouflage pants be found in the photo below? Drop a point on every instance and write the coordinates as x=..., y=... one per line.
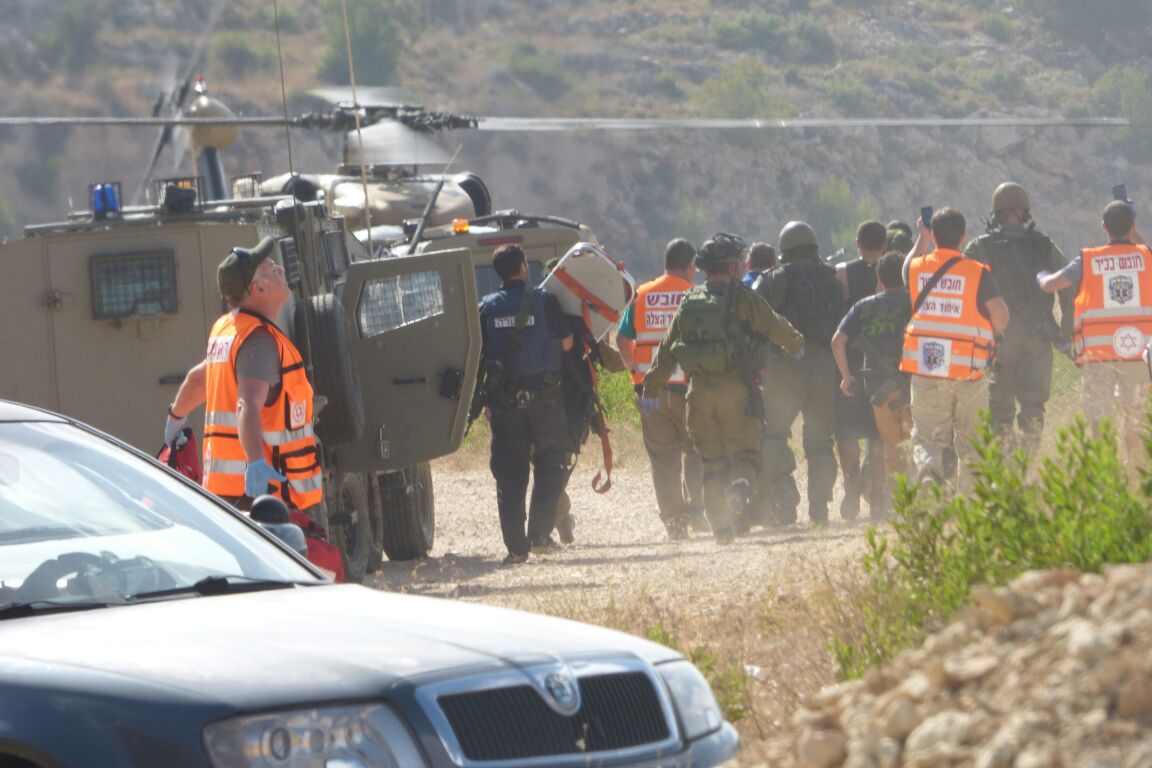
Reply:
x=728, y=441
x=1023, y=376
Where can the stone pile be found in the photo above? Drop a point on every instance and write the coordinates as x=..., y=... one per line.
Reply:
x=1053, y=671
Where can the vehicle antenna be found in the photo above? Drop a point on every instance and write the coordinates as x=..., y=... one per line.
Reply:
x=283, y=88
x=356, y=117
x=432, y=202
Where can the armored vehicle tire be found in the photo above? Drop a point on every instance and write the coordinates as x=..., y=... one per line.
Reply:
x=376, y=523
x=321, y=335
x=349, y=523
x=409, y=512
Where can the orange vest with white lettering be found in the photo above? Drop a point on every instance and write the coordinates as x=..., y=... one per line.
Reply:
x=947, y=338
x=289, y=443
x=1114, y=305
x=656, y=304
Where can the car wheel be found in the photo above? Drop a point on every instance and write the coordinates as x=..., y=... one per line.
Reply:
x=322, y=336
x=409, y=512
x=349, y=525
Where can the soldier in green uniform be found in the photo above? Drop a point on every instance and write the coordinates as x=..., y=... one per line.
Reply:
x=1015, y=251
x=714, y=338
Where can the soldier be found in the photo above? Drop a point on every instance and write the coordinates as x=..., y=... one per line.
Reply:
x=676, y=467
x=854, y=418
x=957, y=314
x=761, y=258
x=524, y=333
x=1015, y=251
x=1113, y=321
x=711, y=339
x=804, y=291
x=258, y=418
x=875, y=325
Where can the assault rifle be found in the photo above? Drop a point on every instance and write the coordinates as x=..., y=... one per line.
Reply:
x=893, y=380
x=493, y=381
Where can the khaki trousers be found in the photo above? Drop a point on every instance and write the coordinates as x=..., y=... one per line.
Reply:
x=1119, y=391
x=676, y=467
x=945, y=413
x=895, y=427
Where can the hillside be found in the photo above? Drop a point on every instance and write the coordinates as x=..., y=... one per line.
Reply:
x=643, y=58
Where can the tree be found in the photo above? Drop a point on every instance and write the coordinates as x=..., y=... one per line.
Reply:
x=380, y=31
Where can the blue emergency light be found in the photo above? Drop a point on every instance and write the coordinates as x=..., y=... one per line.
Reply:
x=106, y=200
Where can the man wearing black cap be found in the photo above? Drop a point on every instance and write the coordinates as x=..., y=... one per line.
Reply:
x=258, y=419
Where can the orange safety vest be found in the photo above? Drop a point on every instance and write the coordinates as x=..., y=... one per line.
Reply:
x=1114, y=305
x=289, y=443
x=656, y=304
x=947, y=338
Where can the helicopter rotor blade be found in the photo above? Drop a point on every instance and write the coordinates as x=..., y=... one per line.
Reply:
x=382, y=95
x=648, y=124
x=393, y=143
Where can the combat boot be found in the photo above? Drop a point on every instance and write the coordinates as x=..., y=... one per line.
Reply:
x=566, y=527
x=850, y=504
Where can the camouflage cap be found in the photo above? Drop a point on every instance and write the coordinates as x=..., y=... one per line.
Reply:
x=899, y=240
x=236, y=271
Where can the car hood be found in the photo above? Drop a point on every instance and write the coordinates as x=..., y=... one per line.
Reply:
x=307, y=644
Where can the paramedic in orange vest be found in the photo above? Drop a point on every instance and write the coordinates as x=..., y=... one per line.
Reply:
x=948, y=345
x=258, y=403
x=677, y=472
x=1113, y=322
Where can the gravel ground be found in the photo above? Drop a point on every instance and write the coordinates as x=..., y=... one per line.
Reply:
x=621, y=551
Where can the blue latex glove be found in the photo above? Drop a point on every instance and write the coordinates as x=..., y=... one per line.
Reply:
x=257, y=475
x=799, y=355
x=648, y=405
x=172, y=431
x=1041, y=275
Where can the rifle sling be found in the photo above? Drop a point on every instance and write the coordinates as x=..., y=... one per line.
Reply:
x=933, y=281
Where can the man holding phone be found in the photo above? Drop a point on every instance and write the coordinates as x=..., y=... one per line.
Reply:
x=1113, y=289
x=1015, y=250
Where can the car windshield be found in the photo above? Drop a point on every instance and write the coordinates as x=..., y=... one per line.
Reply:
x=84, y=520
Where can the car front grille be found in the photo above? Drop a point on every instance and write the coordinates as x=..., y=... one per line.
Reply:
x=617, y=711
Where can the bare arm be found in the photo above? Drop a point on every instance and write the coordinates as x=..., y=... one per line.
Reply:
x=997, y=314
x=192, y=392
x=840, y=353
x=1053, y=283
x=842, y=277
x=627, y=349
x=252, y=394
x=566, y=343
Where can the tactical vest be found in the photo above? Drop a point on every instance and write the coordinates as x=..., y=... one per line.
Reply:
x=705, y=345
x=656, y=304
x=1114, y=305
x=861, y=280
x=539, y=352
x=289, y=444
x=947, y=338
x=1014, y=259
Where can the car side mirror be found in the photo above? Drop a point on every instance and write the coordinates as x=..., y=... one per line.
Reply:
x=272, y=515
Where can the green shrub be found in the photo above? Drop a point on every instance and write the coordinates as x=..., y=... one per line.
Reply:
x=752, y=30
x=72, y=43
x=728, y=677
x=665, y=85
x=240, y=54
x=835, y=214
x=1094, y=24
x=540, y=72
x=618, y=398
x=380, y=32
x=1127, y=91
x=810, y=43
x=852, y=98
x=1006, y=84
x=742, y=90
x=1081, y=512
x=997, y=26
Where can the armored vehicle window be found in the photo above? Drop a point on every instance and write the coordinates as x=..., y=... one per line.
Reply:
x=335, y=253
x=388, y=303
x=487, y=281
x=133, y=284
x=290, y=261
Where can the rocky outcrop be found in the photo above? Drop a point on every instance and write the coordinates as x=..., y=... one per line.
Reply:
x=1054, y=670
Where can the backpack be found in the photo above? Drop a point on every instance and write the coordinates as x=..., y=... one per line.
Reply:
x=813, y=301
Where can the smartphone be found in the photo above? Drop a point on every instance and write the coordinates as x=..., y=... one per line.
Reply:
x=926, y=216
x=1120, y=192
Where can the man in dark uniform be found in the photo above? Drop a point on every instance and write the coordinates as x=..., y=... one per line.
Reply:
x=1015, y=251
x=712, y=338
x=525, y=333
x=854, y=418
x=804, y=290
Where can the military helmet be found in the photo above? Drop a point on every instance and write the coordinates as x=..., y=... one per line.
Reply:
x=722, y=246
x=1010, y=195
x=796, y=234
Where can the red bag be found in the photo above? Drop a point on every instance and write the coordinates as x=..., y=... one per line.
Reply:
x=321, y=553
x=185, y=459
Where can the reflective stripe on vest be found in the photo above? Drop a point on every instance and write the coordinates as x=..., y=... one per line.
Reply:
x=286, y=424
x=656, y=304
x=948, y=338
x=1114, y=304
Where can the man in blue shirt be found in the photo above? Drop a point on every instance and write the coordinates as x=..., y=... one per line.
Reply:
x=761, y=258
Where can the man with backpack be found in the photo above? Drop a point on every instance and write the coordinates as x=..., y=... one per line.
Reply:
x=805, y=291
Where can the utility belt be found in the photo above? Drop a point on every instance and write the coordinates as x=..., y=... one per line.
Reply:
x=680, y=389
x=547, y=387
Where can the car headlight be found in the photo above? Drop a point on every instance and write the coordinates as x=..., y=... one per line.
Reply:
x=359, y=736
x=692, y=696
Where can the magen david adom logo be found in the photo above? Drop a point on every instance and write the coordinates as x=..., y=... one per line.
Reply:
x=1128, y=342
